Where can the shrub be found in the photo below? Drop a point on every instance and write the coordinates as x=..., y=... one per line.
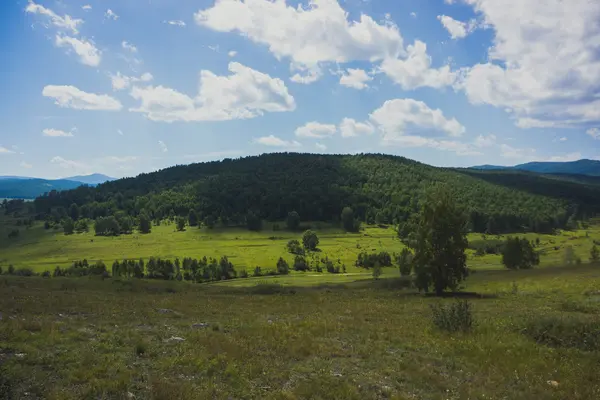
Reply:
x=46, y=274
x=68, y=226
x=180, y=224
x=300, y=264
x=11, y=270
x=377, y=271
x=108, y=226
x=368, y=261
x=243, y=274
x=348, y=222
x=257, y=272
x=293, y=246
x=456, y=317
x=404, y=262
x=282, y=267
x=24, y=272
x=140, y=348
x=594, y=254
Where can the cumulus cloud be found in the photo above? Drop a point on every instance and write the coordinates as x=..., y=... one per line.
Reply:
x=25, y=165
x=86, y=50
x=163, y=146
x=65, y=22
x=456, y=29
x=68, y=164
x=566, y=157
x=57, y=133
x=316, y=130
x=321, y=33
x=72, y=97
x=355, y=78
x=350, y=128
x=274, y=141
x=544, y=64
x=400, y=117
x=485, y=141
x=246, y=93
x=320, y=146
x=110, y=14
x=507, y=151
x=232, y=53
x=129, y=47
x=594, y=133
x=120, y=82
x=86, y=7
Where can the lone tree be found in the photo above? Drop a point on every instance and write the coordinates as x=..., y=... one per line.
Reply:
x=439, y=243
x=348, y=222
x=594, y=254
x=293, y=221
x=310, y=240
x=144, y=225
x=283, y=267
x=180, y=224
x=518, y=253
x=193, y=218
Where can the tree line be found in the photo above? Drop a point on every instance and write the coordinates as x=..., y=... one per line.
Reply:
x=377, y=188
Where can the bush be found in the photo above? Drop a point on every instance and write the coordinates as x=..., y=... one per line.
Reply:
x=108, y=226
x=300, y=264
x=282, y=267
x=456, y=317
x=404, y=262
x=348, y=222
x=11, y=270
x=24, y=272
x=180, y=224
x=293, y=246
x=377, y=271
x=68, y=226
x=243, y=274
x=594, y=254
x=46, y=274
x=257, y=272
x=368, y=261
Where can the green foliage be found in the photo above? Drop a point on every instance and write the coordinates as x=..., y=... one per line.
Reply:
x=282, y=267
x=455, y=317
x=257, y=272
x=565, y=331
x=74, y=212
x=107, y=226
x=293, y=246
x=404, y=262
x=594, y=254
x=209, y=221
x=369, y=261
x=518, y=253
x=349, y=223
x=180, y=224
x=68, y=226
x=310, y=240
x=144, y=224
x=81, y=226
x=300, y=264
x=11, y=270
x=193, y=218
x=293, y=221
x=253, y=222
x=439, y=243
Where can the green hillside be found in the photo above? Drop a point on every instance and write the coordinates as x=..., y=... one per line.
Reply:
x=379, y=188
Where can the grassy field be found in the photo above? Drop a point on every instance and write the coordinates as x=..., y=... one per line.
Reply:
x=41, y=249
x=68, y=338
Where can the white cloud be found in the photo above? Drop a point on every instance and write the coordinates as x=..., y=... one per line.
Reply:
x=413, y=14
x=457, y=29
x=4, y=150
x=485, y=141
x=175, y=23
x=355, y=78
x=120, y=132
x=320, y=146
x=110, y=14
x=86, y=50
x=307, y=75
x=407, y=116
x=415, y=70
x=232, y=53
x=68, y=164
x=246, y=93
x=163, y=146
x=86, y=7
x=316, y=130
x=64, y=22
x=512, y=152
x=594, y=133
x=120, y=82
x=72, y=97
x=544, y=64
x=461, y=149
x=274, y=141
x=56, y=133
x=129, y=47
x=350, y=128
x=25, y=165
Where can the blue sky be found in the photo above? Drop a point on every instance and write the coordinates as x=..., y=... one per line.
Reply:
x=123, y=87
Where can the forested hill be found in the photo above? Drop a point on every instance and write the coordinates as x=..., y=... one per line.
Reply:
x=379, y=188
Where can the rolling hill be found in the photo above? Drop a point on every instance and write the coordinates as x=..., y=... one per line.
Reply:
x=580, y=167
x=29, y=188
x=93, y=179
x=379, y=188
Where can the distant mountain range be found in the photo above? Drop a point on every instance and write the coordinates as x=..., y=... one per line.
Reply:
x=22, y=187
x=580, y=167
